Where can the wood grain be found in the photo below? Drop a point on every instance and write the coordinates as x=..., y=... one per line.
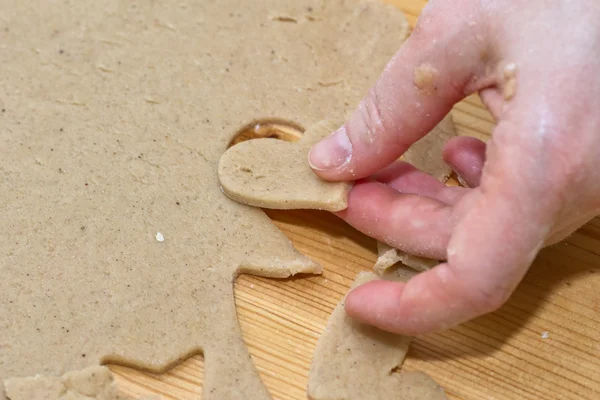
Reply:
x=499, y=356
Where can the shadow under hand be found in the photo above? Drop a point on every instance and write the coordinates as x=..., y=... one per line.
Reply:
x=535, y=345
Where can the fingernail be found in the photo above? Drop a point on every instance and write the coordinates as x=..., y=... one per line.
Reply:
x=332, y=152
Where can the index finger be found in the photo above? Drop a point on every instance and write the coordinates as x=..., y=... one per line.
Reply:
x=416, y=90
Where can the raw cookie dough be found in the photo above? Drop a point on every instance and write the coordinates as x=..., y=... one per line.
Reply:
x=426, y=155
x=271, y=173
x=93, y=383
x=356, y=361
x=388, y=256
x=114, y=116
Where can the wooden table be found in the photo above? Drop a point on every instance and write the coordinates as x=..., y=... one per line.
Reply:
x=543, y=344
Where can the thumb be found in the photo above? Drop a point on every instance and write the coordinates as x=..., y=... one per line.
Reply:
x=417, y=89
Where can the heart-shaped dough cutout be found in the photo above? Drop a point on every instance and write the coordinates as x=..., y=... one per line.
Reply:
x=271, y=173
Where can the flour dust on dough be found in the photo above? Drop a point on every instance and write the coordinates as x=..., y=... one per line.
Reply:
x=353, y=361
x=271, y=173
x=114, y=116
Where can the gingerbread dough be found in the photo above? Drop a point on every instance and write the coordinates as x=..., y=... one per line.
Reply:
x=113, y=118
x=94, y=382
x=355, y=361
x=388, y=256
x=247, y=178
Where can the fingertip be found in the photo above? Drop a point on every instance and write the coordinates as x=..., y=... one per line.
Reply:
x=431, y=301
x=376, y=303
x=329, y=157
x=460, y=145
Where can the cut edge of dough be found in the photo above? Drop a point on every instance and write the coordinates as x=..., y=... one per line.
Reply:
x=94, y=382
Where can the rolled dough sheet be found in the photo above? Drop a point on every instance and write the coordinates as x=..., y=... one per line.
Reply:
x=94, y=382
x=355, y=361
x=286, y=181
x=117, y=244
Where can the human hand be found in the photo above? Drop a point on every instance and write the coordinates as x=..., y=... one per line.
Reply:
x=535, y=65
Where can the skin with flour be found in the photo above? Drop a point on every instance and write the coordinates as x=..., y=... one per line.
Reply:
x=533, y=184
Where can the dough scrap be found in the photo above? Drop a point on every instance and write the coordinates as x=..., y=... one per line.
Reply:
x=92, y=383
x=271, y=173
x=356, y=361
x=115, y=115
x=387, y=256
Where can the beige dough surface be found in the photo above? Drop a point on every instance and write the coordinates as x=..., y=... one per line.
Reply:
x=356, y=361
x=94, y=382
x=114, y=115
x=271, y=173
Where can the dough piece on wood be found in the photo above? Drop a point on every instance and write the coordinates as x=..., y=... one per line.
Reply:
x=271, y=173
x=115, y=115
x=387, y=256
x=92, y=383
x=356, y=361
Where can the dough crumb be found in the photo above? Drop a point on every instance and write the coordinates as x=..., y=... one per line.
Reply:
x=283, y=18
x=510, y=81
x=160, y=237
x=545, y=335
x=425, y=77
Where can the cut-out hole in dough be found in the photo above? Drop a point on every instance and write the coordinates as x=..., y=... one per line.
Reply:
x=184, y=380
x=268, y=128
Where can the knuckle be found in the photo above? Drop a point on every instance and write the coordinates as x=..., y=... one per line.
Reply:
x=385, y=127
x=488, y=298
x=370, y=112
